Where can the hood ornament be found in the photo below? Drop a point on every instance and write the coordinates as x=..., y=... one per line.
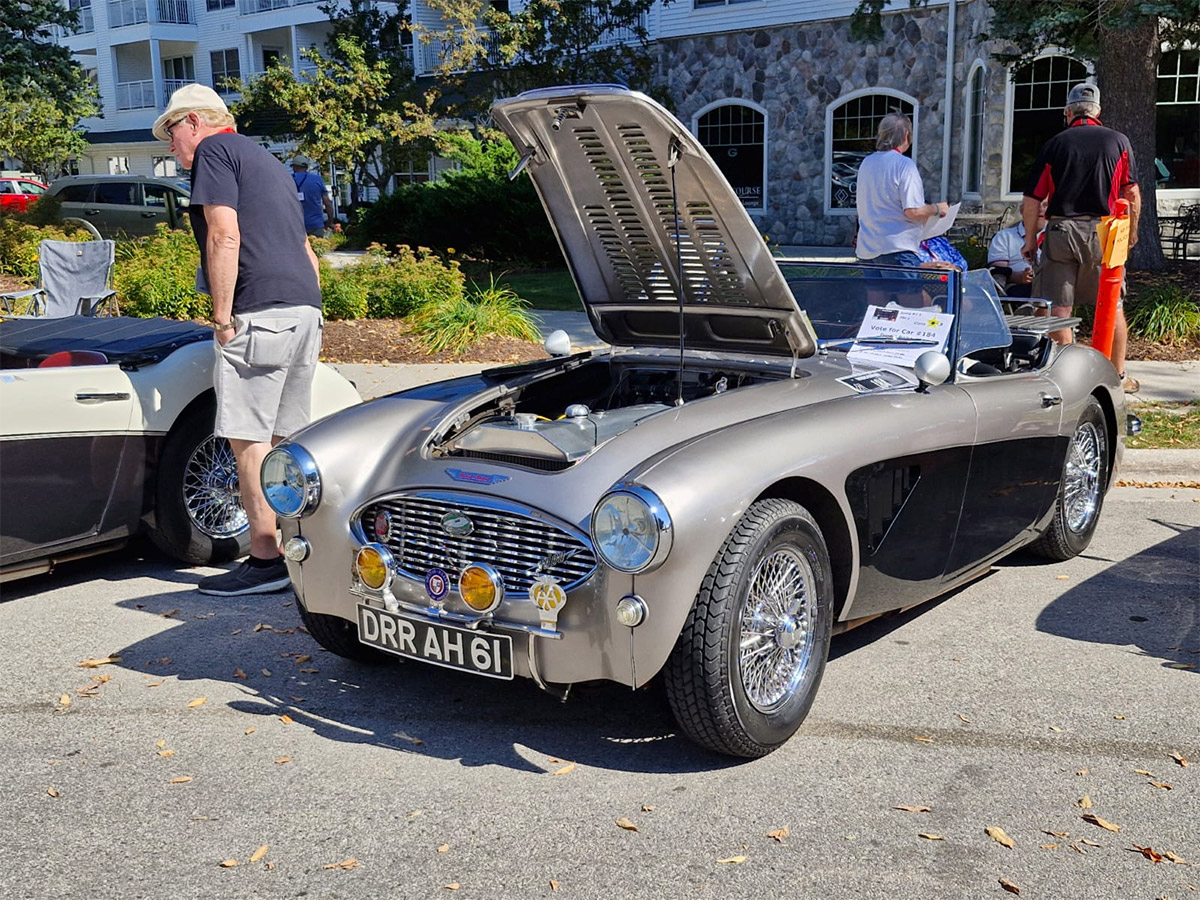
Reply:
x=457, y=524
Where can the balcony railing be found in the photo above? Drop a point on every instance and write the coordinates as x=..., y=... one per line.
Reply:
x=249, y=7
x=171, y=85
x=136, y=95
x=138, y=12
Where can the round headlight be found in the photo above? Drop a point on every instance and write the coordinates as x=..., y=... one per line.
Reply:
x=481, y=587
x=290, y=481
x=373, y=566
x=631, y=529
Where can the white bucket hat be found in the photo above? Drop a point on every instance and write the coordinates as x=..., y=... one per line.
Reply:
x=183, y=101
x=301, y=160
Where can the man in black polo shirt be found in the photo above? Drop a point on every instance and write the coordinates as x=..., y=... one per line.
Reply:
x=1082, y=170
x=262, y=276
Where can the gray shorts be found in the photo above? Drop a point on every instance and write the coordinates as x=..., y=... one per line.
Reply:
x=263, y=376
x=1069, y=274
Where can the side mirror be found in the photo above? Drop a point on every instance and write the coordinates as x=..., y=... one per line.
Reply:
x=558, y=343
x=931, y=368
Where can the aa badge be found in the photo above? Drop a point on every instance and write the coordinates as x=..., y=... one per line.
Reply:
x=550, y=598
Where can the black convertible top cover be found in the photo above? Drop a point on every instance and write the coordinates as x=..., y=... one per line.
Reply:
x=126, y=340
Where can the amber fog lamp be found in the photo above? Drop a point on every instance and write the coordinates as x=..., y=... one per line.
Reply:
x=373, y=566
x=481, y=587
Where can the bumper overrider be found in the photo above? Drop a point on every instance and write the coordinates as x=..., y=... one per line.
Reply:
x=469, y=581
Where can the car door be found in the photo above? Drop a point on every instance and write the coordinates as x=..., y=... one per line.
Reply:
x=62, y=439
x=1015, y=466
x=158, y=202
x=116, y=208
x=75, y=198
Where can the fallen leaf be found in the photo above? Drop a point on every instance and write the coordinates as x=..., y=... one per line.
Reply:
x=1057, y=834
x=166, y=754
x=626, y=824
x=1055, y=728
x=285, y=719
x=1089, y=843
x=282, y=760
x=1083, y=771
x=553, y=884
x=250, y=730
x=180, y=779
x=443, y=848
x=1160, y=784
x=158, y=683
x=452, y=886
x=925, y=740
x=1047, y=846
x=262, y=626
x=296, y=699
x=565, y=770
x=267, y=672
x=350, y=863
x=1167, y=854
x=1118, y=716
x=238, y=673
x=64, y=700
x=778, y=834
x=168, y=615
x=199, y=701
x=1084, y=802
x=1148, y=852
x=735, y=860
x=102, y=661
x=307, y=657
x=1143, y=772
x=999, y=835
x=1180, y=758
x=160, y=743
x=913, y=808
x=53, y=791
x=227, y=863
x=1181, y=666
x=931, y=837
x=963, y=717
x=1077, y=848
x=236, y=631
x=1061, y=577
x=259, y=853
x=310, y=671
x=1096, y=820
x=1009, y=886
x=646, y=807
x=270, y=865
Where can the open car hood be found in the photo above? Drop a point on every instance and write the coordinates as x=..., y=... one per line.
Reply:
x=602, y=159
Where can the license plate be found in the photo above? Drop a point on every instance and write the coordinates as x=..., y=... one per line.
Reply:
x=478, y=652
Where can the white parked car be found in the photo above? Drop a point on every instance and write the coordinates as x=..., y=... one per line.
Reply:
x=107, y=432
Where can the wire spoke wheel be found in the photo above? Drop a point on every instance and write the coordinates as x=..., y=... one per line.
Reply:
x=1082, y=478
x=776, y=629
x=210, y=489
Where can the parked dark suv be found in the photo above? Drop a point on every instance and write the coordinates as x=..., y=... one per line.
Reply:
x=122, y=204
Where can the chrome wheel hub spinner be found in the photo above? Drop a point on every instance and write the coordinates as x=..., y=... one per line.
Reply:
x=776, y=640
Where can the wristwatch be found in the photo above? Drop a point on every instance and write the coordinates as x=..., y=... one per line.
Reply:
x=222, y=326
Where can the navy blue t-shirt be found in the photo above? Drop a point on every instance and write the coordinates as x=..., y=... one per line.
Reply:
x=273, y=267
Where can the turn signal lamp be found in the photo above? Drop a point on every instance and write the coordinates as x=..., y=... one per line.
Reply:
x=373, y=566
x=481, y=587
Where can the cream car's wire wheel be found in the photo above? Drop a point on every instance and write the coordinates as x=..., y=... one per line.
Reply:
x=210, y=489
x=1083, y=477
x=777, y=634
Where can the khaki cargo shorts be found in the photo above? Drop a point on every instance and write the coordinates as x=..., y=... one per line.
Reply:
x=1069, y=274
x=263, y=375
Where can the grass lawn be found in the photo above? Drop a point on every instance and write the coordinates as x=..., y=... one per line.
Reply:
x=1167, y=426
x=545, y=289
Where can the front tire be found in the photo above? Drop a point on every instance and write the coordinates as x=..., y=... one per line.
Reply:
x=198, y=514
x=1080, y=490
x=749, y=660
x=340, y=636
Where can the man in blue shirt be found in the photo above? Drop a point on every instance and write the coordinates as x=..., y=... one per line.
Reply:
x=310, y=191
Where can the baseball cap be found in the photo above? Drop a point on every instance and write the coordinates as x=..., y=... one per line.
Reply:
x=1084, y=93
x=301, y=160
x=182, y=102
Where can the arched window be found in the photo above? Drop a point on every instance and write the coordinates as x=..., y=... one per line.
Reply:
x=973, y=146
x=851, y=129
x=734, y=134
x=1177, y=132
x=1040, y=91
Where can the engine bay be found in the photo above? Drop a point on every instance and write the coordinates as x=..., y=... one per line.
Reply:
x=556, y=419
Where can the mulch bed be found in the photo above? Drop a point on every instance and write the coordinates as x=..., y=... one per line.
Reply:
x=391, y=340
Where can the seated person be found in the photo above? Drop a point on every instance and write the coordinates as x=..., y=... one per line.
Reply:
x=1005, y=253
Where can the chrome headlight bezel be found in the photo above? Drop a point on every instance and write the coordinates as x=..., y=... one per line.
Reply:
x=303, y=480
x=655, y=510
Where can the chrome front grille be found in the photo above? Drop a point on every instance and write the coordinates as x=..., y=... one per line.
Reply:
x=514, y=540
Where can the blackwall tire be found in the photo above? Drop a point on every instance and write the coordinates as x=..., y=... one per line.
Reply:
x=1081, y=488
x=750, y=657
x=340, y=636
x=198, y=515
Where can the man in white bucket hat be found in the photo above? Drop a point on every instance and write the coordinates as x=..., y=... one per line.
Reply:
x=313, y=196
x=262, y=275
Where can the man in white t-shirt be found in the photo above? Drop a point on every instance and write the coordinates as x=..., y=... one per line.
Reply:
x=1004, y=252
x=891, y=199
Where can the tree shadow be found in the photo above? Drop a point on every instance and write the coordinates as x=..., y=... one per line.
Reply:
x=1151, y=600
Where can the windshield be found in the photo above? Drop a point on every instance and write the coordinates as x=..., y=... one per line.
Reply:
x=981, y=324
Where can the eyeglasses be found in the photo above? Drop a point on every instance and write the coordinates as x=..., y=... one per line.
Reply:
x=173, y=125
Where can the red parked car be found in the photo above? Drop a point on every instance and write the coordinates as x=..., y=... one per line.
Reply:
x=18, y=191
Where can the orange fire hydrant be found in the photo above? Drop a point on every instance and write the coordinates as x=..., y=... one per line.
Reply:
x=1114, y=246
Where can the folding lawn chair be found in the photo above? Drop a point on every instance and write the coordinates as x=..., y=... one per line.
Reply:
x=74, y=279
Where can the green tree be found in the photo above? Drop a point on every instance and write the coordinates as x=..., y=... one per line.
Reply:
x=43, y=91
x=1124, y=38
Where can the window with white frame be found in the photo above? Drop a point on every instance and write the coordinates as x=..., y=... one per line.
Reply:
x=165, y=167
x=226, y=70
x=118, y=165
x=1177, y=129
x=1040, y=91
x=973, y=156
x=853, y=126
x=705, y=4
x=413, y=168
x=734, y=134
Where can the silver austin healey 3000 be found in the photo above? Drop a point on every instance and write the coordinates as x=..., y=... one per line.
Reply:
x=768, y=452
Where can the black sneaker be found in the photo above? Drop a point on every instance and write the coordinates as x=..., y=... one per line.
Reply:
x=247, y=579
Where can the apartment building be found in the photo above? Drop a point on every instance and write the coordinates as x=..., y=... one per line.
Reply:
x=776, y=90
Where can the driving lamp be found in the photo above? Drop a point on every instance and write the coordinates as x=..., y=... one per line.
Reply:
x=373, y=566
x=481, y=587
x=631, y=529
x=290, y=481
